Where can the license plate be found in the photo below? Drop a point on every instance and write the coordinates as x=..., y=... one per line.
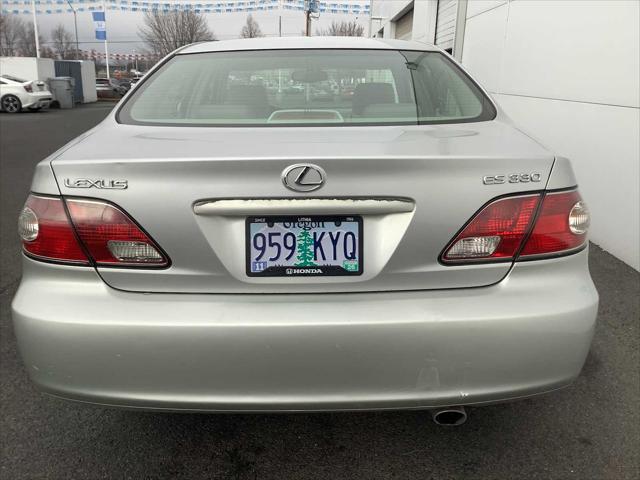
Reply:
x=304, y=246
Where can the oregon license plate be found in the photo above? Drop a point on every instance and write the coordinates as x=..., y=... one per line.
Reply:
x=304, y=246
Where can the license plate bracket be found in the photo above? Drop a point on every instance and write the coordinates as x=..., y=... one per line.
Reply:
x=276, y=246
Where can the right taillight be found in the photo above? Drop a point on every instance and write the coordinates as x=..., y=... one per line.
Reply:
x=529, y=226
x=85, y=232
x=561, y=226
x=495, y=233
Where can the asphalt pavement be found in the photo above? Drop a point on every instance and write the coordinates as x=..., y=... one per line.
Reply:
x=590, y=430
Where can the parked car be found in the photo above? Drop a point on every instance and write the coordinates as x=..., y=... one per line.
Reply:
x=109, y=88
x=17, y=94
x=208, y=247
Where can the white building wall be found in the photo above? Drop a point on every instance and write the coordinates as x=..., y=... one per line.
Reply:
x=29, y=68
x=567, y=72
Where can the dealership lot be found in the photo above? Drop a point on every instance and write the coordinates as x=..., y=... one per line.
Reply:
x=590, y=430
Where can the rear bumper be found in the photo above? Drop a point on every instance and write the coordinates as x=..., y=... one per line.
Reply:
x=82, y=340
x=37, y=100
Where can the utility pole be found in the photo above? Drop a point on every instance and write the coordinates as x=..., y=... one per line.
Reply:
x=279, y=18
x=75, y=23
x=35, y=27
x=310, y=6
x=106, y=48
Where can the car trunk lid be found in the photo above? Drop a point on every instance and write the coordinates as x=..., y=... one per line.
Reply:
x=192, y=188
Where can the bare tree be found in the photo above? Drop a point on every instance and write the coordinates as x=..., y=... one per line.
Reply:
x=62, y=42
x=47, y=52
x=27, y=42
x=343, y=29
x=251, y=29
x=164, y=32
x=10, y=28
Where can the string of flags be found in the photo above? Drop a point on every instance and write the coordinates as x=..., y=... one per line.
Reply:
x=51, y=7
x=93, y=55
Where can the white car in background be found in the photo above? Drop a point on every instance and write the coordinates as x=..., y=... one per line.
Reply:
x=17, y=94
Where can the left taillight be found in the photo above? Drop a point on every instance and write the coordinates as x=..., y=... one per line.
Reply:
x=28, y=87
x=47, y=233
x=85, y=232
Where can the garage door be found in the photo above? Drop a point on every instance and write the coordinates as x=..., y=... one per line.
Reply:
x=404, y=26
x=446, y=23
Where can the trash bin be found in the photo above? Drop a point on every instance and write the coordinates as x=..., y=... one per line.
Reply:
x=62, y=91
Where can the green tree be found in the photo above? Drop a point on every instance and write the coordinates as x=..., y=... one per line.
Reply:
x=305, y=250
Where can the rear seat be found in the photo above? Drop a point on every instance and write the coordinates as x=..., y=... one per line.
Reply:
x=372, y=93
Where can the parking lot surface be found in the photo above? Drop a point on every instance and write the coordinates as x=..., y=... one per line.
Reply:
x=590, y=430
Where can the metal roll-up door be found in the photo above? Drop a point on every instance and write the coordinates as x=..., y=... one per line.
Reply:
x=404, y=26
x=446, y=23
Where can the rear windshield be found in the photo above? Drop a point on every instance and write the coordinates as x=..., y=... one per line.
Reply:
x=307, y=87
x=14, y=79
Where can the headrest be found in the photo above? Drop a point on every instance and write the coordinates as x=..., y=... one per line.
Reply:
x=247, y=95
x=371, y=93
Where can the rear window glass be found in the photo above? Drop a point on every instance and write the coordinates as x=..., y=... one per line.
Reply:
x=14, y=79
x=307, y=87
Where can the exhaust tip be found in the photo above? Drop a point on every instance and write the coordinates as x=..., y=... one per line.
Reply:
x=449, y=416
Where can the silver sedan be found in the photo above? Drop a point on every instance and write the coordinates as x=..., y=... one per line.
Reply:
x=236, y=236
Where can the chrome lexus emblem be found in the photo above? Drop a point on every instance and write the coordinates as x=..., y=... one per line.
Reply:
x=303, y=177
x=96, y=183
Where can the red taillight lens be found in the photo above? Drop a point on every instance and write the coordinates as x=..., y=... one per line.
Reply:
x=561, y=225
x=28, y=88
x=47, y=233
x=111, y=237
x=108, y=235
x=496, y=232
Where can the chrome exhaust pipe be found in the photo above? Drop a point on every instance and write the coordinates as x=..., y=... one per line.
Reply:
x=449, y=416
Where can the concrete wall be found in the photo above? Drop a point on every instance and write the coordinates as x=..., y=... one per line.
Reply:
x=28, y=68
x=568, y=73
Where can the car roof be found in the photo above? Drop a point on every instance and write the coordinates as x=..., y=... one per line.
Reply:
x=287, y=43
x=11, y=80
